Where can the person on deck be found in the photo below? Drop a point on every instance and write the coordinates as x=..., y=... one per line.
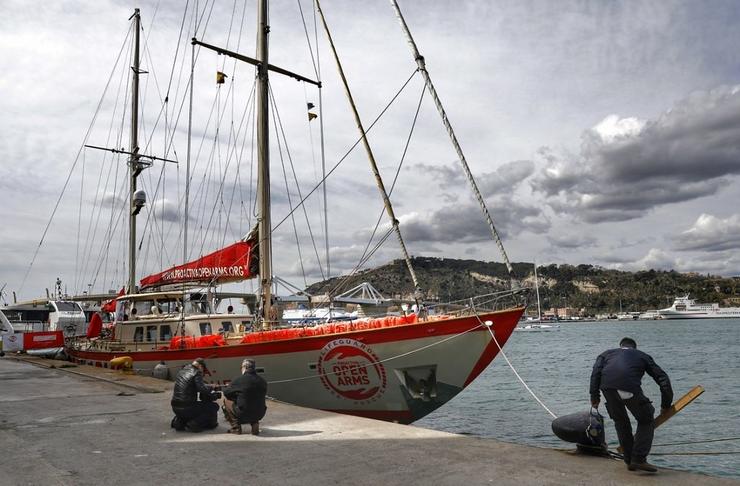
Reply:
x=618, y=373
x=244, y=399
x=190, y=413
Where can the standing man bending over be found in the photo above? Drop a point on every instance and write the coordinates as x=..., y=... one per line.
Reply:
x=190, y=413
x=618, y=374
x=244, y=399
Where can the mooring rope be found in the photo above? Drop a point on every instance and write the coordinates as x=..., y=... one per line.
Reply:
x=506, y=358
x=692, y=442
x=708, y=453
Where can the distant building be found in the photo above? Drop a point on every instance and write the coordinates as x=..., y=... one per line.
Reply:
x=566, y=312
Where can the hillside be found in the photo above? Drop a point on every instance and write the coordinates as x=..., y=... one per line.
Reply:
x=594, y=289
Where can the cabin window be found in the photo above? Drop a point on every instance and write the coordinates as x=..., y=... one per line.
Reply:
x=227, y=326
x=139, y=334
x=205, y=328
x=165, y=333
x=151, y=333
x=66, y=306
x=246, y=326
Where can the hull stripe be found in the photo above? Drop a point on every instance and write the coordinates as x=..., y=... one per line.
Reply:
x=507, y=320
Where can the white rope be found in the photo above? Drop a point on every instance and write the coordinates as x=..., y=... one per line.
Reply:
x=500, y=350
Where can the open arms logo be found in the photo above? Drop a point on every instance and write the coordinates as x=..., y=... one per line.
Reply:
x=351, y=370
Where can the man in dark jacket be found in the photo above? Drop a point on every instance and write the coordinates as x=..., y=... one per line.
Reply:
x=190, y=413
x=618, y=374
x=244, y=399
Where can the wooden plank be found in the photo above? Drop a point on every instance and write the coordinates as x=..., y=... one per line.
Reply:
x=679, y=404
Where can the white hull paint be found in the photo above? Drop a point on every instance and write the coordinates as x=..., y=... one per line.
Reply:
x=397, y=374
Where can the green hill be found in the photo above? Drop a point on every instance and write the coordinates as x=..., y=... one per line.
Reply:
x=591, y=288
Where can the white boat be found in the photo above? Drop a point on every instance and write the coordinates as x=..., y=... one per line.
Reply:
x=649, y=315
x=40, y=326
x=686, y=308
x=538, y=328
x=626, y=316
x=396, y=368
x=297, y=317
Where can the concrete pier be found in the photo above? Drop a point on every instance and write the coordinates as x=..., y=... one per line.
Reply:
x=88, y=426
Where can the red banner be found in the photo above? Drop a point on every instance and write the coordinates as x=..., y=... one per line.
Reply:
x=42, y=340
x=229, y=264
x=110, y=306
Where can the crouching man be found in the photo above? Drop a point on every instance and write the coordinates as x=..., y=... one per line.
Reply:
x=244, y=399
x=190, y=413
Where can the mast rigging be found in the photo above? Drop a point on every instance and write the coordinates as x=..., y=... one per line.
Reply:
x=463, y=161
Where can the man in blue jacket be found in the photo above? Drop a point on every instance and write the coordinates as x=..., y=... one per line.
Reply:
x=618, y=375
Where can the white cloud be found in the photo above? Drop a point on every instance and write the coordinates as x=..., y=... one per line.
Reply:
x=627, y=167
x=710, y=233
x=612, y=128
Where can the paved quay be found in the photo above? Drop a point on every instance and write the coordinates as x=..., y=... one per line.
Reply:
x=88, y=426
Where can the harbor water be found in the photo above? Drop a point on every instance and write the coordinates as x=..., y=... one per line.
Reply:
x=557, y=366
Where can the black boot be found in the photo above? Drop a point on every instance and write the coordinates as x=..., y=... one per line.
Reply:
x=177, y=423
x=642, y=466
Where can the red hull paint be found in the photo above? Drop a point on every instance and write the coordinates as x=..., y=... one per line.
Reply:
x=507, y=322
x=458, y=348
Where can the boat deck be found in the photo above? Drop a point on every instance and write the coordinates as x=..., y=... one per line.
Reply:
x=83, y=425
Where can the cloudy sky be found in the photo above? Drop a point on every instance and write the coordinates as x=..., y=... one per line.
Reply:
x=599, y=132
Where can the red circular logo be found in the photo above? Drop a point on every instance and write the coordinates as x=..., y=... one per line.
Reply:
x=350, y=369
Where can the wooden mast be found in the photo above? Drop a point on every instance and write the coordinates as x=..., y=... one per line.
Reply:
x=263, y=164
x=134, y=166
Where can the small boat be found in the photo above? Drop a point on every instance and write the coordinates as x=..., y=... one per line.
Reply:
x=538, y=328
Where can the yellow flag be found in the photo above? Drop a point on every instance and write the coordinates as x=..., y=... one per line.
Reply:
x=220, y=77
x=311, y=116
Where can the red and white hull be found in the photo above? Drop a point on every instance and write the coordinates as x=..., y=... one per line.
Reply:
x=398, y=373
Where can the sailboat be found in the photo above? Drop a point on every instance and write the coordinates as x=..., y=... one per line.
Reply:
x=537, y=325
x=396, y=367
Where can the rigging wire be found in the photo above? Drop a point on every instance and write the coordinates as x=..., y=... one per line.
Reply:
x=74, y=163
x=453, y=138
x=506, y=358
x=121, y=194
x=297, y=184
x=369, y=153
x=80, y=269
x=321, y=136
x=349, y=151
x=79, y=223
x=344, y=281
x=287, y=190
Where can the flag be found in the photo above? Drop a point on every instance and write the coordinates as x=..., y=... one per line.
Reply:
x=311, y=116
x=110, y=306
x=220, y=77
x=310, y=105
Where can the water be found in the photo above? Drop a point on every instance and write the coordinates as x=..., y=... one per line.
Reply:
x=557, y=366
